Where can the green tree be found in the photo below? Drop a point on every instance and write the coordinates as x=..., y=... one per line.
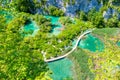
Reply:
x=54, y=11
x=112, y=22
x=23, y=5
x=2, y=23
x=44, y=24
x=106, y=64
x=83, y=16
x=96, y=18
x=19, y=59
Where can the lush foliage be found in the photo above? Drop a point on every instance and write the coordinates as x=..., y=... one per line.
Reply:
x=18, y=59
x=44, y=24
x=2, y=21
x=21, y=57
x=22, y=5
x=52, y=10
x=97, y=19
x=106, y=64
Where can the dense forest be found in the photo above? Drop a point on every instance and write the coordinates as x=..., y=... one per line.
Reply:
x=22, y=55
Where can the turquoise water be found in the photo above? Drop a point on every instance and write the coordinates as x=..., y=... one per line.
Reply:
x=31, y=27
x=61, y=69
x=91, y=43
x=7, y=15
x=56, y=25
x=27, y=28
x=118, y=43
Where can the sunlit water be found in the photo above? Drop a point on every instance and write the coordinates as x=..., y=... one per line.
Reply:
x=61, y=69
x=31, y=27
x=91, y=43
x=56, y=25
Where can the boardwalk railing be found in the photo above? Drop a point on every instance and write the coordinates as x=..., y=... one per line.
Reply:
x=65, y=55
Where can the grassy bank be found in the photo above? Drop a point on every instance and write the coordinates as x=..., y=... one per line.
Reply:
x=106, y=32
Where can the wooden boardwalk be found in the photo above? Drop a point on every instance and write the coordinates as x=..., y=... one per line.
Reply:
x=65, y=55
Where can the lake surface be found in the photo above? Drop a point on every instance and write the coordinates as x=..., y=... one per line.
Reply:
x=30, y=27
x=56, y=25
x=91, y=43
x=61, y=69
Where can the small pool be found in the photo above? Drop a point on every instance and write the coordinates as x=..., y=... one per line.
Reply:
x=56, y=25
x=61, y=69
x=91, y=43
x=7, y=15
x=30, y=27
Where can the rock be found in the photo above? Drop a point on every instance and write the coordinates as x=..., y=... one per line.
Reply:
x=71, y=9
